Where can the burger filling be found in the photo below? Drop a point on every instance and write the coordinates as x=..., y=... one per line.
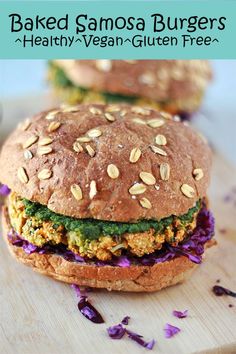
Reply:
x=98, y=239
x=72, y=94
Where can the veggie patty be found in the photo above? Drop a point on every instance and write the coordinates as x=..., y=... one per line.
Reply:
x=96, y=238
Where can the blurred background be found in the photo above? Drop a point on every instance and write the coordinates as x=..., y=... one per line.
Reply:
x=24, y=90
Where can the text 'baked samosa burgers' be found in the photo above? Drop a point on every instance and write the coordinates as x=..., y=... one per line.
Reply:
x=107, y=196
x=177, y=86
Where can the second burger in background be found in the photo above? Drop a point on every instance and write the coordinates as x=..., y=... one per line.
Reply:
x=176, y=86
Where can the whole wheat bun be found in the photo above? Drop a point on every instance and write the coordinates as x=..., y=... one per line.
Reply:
x=136, y=278
x=177, y=81
x=185, y=151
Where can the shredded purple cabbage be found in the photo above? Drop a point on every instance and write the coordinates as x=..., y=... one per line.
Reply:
x=89, y=311
x=139, y=339
x=220, y=291
x=85, y=307
x=180, y=314
x=29, y=248
x=170, y=330
x=185, y=116
x=76, y=289
x=192, y=248
x=122, y=261
x=4, y=190
x=125, y=320
x=118, y=332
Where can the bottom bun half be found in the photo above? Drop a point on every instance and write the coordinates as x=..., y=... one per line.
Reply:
x=136, y=278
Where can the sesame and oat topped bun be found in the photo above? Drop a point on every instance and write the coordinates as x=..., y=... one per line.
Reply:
x=107, y=196
x=176, y=86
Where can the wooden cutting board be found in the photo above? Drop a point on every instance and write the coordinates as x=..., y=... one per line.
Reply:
x=39, y=315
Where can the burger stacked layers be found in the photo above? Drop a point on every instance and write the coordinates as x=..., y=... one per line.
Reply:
x=107, y=196
x=176, y=86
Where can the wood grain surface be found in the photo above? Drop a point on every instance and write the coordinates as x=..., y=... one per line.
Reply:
x=39, y=315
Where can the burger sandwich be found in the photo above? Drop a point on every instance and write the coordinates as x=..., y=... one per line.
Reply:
x=107, y=196
x=176, y=86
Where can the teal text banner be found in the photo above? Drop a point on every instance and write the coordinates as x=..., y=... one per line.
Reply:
x=118, y=29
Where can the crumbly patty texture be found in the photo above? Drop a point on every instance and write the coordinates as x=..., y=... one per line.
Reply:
x=40, y=232
x=158, y=80
x=107, y=162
